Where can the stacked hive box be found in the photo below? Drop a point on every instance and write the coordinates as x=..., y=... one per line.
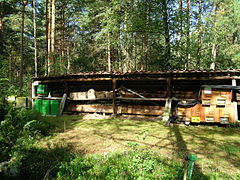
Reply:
x=216, y=107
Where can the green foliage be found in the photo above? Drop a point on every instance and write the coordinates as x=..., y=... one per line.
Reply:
x=130, y=165
x=18, y=133
x=40, y=163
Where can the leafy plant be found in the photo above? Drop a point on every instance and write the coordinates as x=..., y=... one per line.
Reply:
x=131, y=165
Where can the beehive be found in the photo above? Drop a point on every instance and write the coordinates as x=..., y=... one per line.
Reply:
x=216, y=97
x=184, y=113
x=210, y=114
x=226, y=114
x=196, y=113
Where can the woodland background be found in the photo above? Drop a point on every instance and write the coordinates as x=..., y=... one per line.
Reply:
x=53, y=37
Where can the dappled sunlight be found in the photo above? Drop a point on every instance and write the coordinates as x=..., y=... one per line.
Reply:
x=100, y=136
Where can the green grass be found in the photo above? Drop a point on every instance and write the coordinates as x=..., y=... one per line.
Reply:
x=217, y=148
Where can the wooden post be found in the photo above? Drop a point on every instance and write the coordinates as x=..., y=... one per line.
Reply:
x=168, y=104
x=114, y=83
x=169, y=88
x=35, y=83
x=234, y=83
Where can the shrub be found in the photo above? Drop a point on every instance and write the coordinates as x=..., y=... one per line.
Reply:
x=18, y=134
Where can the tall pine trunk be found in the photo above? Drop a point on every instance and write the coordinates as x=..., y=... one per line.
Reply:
x=35, y=38
x=180, y=30
x=1, y=28
x=166, y=34
x=48, y=36
x=53, y=34
x=199, y=31
x=214, y=46
x=24, y=3
x=109, y=51
x=188, y=34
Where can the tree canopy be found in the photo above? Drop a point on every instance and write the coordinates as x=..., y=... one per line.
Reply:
x=53, y=37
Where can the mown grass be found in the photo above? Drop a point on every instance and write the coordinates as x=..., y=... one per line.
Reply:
x=217, y=148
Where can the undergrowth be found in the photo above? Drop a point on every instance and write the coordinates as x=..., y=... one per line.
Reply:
x=134, y=164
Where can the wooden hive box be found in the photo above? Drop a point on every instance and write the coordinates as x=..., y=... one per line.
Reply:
x=184, y=113
x=226, y=114
x=210, y=114
x=216, y=97
x=197, y=113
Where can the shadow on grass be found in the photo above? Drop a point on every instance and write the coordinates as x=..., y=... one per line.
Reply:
x=220, y=142
x=182, y=152
x=62, y=123
x=39, y=163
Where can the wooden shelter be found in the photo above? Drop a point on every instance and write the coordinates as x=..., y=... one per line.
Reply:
x=148, y=93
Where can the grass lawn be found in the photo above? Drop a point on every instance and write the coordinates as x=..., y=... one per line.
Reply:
x=217, y=148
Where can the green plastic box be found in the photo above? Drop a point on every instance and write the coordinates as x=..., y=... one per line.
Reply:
x=54, y=107
x=45, y=107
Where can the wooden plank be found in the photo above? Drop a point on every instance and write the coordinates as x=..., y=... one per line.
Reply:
x=124, y=109
x=234, y=83
x=131, y=91
x=153, y=99
x=190, y=78
x=48, y=98
x=141, y=99
x=62, y=104
x=169, y=88
x=75, y=80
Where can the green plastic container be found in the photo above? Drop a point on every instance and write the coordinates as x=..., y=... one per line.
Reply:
x=38, y=105
x=42, y=90
x=45, y=107
x=54, y=106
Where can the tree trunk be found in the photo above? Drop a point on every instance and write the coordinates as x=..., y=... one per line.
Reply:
x=68, y=60
x=1, y=29
x=63, y=28
x=199, y=33
x=180, y=24
x=166, y=34
x=214, y=55
x=53, y=34
x=125, y=44
x=214, y=46
x=188, y=34
x=109, y=53
x=35, y=38
x=46, y=34
x=24, y=3
x=49, y=37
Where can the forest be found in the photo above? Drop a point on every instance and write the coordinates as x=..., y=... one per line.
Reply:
x=61, y=37
x=49, y=37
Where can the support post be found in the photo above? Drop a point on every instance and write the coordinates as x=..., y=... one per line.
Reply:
x=234, y=83
x=168, y=104
x=35, y=83
x=114, y=85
